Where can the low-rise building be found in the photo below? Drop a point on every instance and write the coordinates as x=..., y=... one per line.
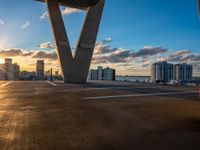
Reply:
x=26, y=75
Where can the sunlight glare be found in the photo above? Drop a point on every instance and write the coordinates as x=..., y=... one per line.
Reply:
x=1, y=61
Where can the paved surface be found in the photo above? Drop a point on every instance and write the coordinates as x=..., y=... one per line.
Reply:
x=103, y=116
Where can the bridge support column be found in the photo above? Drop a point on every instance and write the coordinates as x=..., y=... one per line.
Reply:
x=75, y=69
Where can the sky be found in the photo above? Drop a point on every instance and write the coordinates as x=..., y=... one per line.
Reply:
x=132, y=35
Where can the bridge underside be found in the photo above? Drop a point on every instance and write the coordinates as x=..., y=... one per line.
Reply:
x=80, y=4
x=75, y=69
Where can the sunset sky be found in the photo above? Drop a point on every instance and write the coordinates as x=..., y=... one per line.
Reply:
x=133, y=34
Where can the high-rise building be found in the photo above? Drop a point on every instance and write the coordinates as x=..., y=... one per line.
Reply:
x=170, y=73
x=40, y=70
x=165, y=72
x=8, y=69
x=93, y=75
x=16, y=71
x=2, y=71
x=108, y=74
x=102, y=74
x=162, y=72
x=183, y=72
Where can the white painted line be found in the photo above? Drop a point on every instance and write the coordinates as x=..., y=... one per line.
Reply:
x=115, y=88
x=130, y=87
x=6, y=84
x=139, y=95
x=94, y=89
x=51, y=83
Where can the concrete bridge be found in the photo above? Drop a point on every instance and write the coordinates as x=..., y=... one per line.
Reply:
x=75, y=69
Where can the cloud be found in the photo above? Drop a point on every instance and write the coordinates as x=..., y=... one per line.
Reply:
x=66, y=11
x=104, y=53
x=150, y=51
x=177, y=56
x=11, y=52
x=120, y=56
x=102, y=48
x=191, y=58
x=46, y=45
x=27, y=54
x=69, y=11
x=107, y=40
x=1, y=22
x=25, y=25
x=15, y=52
x=183, y=56
x=45, y=55
x=44, y=15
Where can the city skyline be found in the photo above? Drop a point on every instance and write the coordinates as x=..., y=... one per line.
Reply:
x=11, y=71
x=130, y=41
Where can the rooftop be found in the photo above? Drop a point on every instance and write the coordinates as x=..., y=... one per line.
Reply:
x=98, y=115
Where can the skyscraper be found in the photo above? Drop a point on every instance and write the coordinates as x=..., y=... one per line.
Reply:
x=102, y=74
x=93, y=75
x=183, y=72
x=8, y=70
x=2, y=71
x=108, y=74
x=165, y=72
x=40, y=70
x=170, y=72
x=162, y=72
x=16, y=71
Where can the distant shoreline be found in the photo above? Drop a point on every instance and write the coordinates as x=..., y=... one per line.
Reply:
x=131, y=76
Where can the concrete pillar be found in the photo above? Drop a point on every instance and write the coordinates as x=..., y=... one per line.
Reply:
x=75, y=70
x=199, y=6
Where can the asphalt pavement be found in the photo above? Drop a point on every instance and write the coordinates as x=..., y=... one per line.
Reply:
x=41, y=115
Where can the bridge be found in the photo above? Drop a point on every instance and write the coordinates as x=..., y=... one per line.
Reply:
x=75, y=69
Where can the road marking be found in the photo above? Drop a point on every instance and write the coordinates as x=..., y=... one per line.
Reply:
x=130, y=87
x=138, y=95
x=94, y=89
x=53, y=84
x=116, y=88
x=6, y=84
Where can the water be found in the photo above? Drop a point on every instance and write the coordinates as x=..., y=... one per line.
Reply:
x=133, y=78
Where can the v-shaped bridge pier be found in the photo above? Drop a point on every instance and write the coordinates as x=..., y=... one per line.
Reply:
x=75, y=69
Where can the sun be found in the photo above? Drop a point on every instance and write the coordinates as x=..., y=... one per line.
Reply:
x=1, y=61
